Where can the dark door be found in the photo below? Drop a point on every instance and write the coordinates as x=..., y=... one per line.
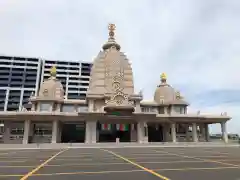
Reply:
x=155, y=133
x=73, y=133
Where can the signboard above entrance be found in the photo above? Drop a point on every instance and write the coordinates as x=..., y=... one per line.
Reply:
x=119, y=113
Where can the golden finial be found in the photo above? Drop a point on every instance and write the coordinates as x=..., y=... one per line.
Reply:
x=111, y=28
x=163, y=77
x=53, y=71
x=178, y=95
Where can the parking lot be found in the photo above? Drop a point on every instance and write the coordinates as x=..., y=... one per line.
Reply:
x=122, y=163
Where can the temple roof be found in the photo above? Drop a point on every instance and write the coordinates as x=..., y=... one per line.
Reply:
x=51, y=88
x=166, y=94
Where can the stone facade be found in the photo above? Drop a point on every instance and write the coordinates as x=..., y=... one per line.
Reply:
x=112, y=110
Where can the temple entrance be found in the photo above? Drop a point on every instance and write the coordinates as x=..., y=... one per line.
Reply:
x=106, y=132
x=123, y=132
x=155, y=132
x=73, y=132
x=110, y=132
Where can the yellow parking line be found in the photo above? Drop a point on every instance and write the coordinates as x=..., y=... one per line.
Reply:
x=41, y=165
x=10, y=175
x=206, y=160
x=138, y=165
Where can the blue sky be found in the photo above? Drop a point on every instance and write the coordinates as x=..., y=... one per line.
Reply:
x=196, y=42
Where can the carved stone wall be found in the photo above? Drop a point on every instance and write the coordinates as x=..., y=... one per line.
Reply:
x=51, y=89
x=110, y=71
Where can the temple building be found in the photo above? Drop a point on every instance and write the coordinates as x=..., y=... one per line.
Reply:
x=111, y=112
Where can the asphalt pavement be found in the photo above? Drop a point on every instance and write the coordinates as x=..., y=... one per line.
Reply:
x=176, y=163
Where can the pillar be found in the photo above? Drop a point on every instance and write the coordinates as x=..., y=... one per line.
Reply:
x=91, y=132
x=224, y=132
x=145, y=132
x=194, y=132
x=206, y=132
x=142, y=134
x=55, y=131
x=139, y=132
x=133, y=132
x=138, y=107
x=202, y=132
x=90, y=105
x=173, y=132
x=87, y=133
x=93, y=128
x=187, y=133
x=166, y=133
x=165, y=110
x=27, y=124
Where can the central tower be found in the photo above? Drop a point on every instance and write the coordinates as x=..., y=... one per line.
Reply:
x=111, y=81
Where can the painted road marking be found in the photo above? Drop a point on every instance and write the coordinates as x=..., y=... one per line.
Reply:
x=26, y=157
x=86, y=159
x=20, y=161
x=138, y=165
x=161, y=157
x=41, y=165
x=119, y=163
x=217, y=156
x=101, y=164
x=206, y=160
x=147, y=154
x=123, y=171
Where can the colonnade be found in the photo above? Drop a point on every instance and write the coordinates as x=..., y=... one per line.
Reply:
x=142, y=132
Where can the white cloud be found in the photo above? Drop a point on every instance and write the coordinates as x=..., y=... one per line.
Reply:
x=195, y=42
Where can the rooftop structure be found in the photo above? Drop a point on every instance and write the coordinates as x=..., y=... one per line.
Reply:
x=111, y=112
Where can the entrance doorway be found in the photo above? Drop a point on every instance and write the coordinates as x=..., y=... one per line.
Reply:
x=124, y=136
x=155, y=132
x=110, y=132
x=73, y=132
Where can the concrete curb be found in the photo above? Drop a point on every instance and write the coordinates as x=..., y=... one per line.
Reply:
x=111, y=145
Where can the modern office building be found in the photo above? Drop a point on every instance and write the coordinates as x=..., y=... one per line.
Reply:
x=111, y=112
x=19, y=78
x=74, y=76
